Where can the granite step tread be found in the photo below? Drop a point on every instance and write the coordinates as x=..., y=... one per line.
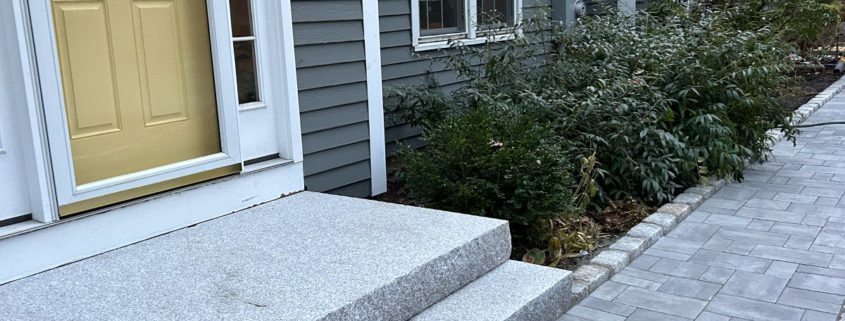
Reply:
x=513, y=291
x=308, y=256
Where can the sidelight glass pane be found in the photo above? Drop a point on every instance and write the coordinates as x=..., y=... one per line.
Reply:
x=245, y=71
x=441, y=17
x=241, y=18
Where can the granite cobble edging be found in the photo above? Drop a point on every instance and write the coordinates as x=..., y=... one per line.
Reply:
x=602, y=267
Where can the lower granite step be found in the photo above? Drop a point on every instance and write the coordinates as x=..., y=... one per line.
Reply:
x=515, y=291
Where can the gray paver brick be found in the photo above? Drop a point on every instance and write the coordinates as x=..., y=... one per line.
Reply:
x=717, y=244
x=635, y=281
x=668, y=254
x=772, y=215
x=782, y=269
x=717, y=274
x=728, y=221
x=644, y=262
x=593, y=314
x=795, y=229
x=792, y=255
x=731, y=261
x=672, y=244
x=609, y=290
x=753, y=237
x=820, y=283
x=608, y=306
x=769, y=204
x=739, y=247
x=752, y=309
x=689, y=288
x=811, y=315
x=710, y=316
x=648, y=315
x=661, y=302
x=799, y=242
x=715, y=202
x=678, y=268
x=760, y=225
x=838, y=262
x=755, y=286
x=690, y=231
x=823, y=302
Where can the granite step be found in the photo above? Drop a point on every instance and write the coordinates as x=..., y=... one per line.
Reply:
x=308, y=256
x=513, y=291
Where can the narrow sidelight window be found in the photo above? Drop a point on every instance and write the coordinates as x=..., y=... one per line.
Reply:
x=244, y=41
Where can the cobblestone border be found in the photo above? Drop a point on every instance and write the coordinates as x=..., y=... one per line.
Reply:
x=618, y=255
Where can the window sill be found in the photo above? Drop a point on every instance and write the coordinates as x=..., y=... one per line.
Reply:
x=446, y=43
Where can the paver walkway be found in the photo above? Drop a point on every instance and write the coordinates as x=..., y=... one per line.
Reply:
x=770, y=248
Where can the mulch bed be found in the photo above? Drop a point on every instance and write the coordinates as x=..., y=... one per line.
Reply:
x=809, y=84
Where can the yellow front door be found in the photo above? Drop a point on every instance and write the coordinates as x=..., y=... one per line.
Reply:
x=138, y=84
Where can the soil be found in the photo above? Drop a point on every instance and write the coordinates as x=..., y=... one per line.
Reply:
x=810, y=83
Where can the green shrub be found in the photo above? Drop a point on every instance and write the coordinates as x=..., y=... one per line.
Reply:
x=492, y=163
x=805, y=24
x=662, y=102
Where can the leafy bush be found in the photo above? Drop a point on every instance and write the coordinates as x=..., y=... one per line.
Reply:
x=806, y=24
x=659, y=103
x=492, y=163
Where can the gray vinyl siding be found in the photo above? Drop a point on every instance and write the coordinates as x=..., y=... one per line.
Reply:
x=331, y=75
x=401, y=66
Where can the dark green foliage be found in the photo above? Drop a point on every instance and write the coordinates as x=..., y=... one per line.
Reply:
x=805, y=24
x=661, y=102
x=492, y=163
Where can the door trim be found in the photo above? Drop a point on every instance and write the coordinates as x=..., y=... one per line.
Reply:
x=58, y=137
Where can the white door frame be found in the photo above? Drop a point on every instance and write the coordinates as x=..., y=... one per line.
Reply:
x=49, y=80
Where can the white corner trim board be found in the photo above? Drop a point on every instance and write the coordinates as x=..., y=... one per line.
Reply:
x=375, y=103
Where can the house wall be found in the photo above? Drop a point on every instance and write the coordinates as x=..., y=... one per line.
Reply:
x=14, y=196
x=331, y=71
x=401, y=66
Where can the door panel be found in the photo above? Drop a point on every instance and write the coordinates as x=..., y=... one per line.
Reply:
x=160, y=54
x=90, y=96
x=138, y=84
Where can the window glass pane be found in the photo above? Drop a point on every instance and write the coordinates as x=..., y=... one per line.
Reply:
x=441, y=16
x=241, y=20
x=496, y=13
x=245, y=71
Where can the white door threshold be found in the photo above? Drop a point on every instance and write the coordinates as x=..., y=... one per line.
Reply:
x=31, y=247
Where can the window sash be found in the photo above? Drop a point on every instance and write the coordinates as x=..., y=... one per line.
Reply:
x=472, y=29
x=245, y=44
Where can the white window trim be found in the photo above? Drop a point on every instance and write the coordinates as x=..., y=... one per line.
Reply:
x=468, y=38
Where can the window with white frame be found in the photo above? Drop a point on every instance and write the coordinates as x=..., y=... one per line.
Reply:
x=246, y=61
x=436, y=22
